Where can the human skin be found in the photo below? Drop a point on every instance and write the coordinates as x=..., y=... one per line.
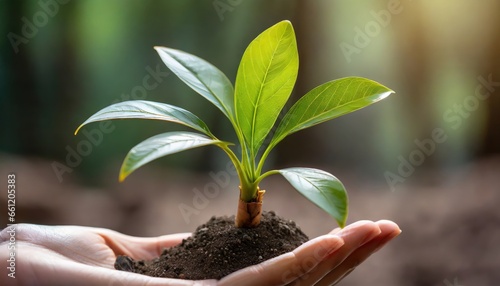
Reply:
x=78, y=255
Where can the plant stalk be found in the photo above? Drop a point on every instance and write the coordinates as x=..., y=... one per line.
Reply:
x=249, y=213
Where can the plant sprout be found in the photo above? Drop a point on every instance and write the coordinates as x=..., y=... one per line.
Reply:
x=264, y=82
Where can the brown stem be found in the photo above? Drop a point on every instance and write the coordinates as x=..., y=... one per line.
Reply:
x=249, y=213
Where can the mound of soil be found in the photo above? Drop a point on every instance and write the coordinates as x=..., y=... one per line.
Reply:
x=217, y=248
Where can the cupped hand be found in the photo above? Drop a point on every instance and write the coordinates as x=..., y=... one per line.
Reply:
x=77, y=255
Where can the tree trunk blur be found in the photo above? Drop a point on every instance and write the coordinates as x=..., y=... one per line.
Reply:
x=491, y=141
x=289, y=151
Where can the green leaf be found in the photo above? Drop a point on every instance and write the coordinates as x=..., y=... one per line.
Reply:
x=162, y=145
x=265, y=79
x=202, y=77
x=328, y=101
x=141, y=109
x=322, y=188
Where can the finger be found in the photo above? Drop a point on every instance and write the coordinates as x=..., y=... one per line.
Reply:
x=139, y=247
x=287, y=267
x=354, y=236
x=78, y=241
x=72, y=273
x=120, y=244
x=389, y=230
x=335, y=230
x=74, y=242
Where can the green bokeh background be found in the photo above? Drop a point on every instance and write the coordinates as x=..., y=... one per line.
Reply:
x=78, y=56
x=92, y=53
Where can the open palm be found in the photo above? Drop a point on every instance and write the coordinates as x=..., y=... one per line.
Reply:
x=77, y=255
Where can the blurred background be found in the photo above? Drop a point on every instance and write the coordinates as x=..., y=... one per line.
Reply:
x=427, y=157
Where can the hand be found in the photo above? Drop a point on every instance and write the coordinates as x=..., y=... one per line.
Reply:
x=324, y=260
x=76, y=255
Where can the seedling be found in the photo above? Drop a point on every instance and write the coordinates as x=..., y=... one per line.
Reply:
x=264, y=82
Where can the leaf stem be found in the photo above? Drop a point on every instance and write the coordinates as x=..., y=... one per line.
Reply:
x=267, y=174
x=264, y=157
x=248, y=188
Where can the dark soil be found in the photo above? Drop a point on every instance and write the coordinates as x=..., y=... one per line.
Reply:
x=217, y=248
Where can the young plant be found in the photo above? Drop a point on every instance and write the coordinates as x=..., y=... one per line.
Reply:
x=264, y=82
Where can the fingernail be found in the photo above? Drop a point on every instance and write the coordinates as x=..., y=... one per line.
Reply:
x=385, y=239
x=369, y=237
x=329, y=247
x=338, y=244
